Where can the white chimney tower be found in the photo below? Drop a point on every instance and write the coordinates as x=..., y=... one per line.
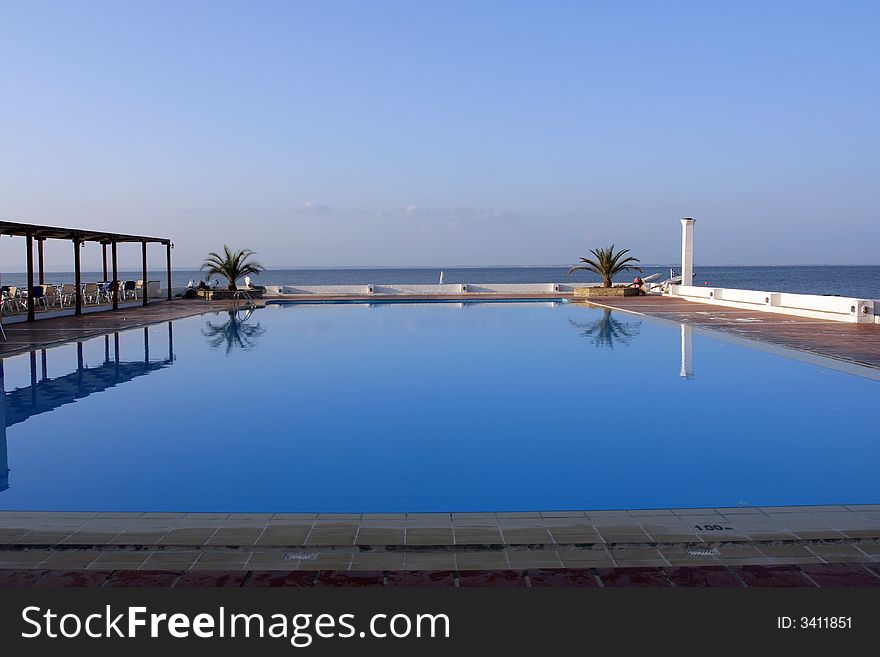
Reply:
x=687, y=251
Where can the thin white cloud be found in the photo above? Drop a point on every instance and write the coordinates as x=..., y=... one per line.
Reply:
x=311, y=208
x=459, y=216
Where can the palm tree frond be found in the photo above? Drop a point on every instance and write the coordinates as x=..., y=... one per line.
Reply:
x=232, y=265
x=607, y=263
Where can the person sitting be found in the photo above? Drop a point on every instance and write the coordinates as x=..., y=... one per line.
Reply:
x=639, y=284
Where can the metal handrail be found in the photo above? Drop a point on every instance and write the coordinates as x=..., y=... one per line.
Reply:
x=240, y=295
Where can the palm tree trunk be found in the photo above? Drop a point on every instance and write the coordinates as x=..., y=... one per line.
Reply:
x=607, y=281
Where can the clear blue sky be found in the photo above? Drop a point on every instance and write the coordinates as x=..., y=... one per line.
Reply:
x=441, y=133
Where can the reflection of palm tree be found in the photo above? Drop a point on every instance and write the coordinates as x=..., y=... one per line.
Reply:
x=234, y=333
x=608, y=330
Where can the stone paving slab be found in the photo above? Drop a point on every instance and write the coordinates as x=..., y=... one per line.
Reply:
x=826, y=575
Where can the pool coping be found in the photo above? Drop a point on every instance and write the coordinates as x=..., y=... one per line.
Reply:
x=451, y=541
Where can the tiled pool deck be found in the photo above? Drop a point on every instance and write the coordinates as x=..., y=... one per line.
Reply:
x=667, y=538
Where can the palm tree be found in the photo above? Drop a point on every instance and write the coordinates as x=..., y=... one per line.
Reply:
x=232, y=265
x=607, y=263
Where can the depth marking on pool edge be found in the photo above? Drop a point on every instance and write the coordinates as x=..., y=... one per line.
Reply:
x=727, y=527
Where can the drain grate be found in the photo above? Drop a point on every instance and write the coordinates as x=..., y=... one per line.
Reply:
x=704, y=552
x=299, y=556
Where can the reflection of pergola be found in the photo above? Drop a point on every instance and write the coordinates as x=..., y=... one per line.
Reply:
x=78, y=236
x=45, y=394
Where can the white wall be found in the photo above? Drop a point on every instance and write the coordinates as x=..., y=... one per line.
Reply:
x=433, y=290
x=841, y=309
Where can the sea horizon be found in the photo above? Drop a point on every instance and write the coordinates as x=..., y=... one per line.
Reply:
x=675, y=265
x=861, y=281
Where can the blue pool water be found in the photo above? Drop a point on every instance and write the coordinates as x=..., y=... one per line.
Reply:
x=429, y=407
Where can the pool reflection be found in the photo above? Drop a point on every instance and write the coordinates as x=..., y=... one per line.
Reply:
x=234, y=333
x=608, y=331
x=687, y=352
x=46, y=394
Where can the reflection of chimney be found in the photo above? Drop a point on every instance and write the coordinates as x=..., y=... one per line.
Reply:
x=687, y=251
x=687, y=352
x=4, y=459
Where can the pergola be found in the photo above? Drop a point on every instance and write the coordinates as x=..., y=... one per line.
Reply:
x=78, y=236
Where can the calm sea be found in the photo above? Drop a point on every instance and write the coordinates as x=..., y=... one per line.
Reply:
x=855, y=281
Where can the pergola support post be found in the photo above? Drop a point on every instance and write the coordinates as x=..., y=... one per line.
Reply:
x=40, y=268
x=168, y=266
x=144, y=279
x=77, y=275
x=115, y=284
x=29, y=239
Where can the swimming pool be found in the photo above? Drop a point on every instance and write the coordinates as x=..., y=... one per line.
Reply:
x=429, y=407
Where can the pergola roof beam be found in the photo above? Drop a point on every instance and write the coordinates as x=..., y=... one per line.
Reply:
x=78, y=234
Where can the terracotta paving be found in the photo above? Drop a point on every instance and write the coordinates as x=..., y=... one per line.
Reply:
x=420, y=578
x=856, y=343
x=773, y=576
x=827, y=575
x=563, y=577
